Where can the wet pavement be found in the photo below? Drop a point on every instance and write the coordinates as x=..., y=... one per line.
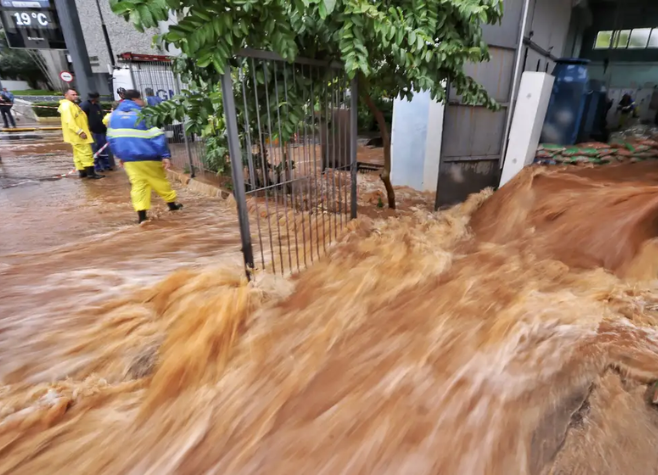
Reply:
x=40, y=209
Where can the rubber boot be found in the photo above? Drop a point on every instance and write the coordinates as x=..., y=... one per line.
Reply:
x=141, y=216
x=82, y=173
x=91, y=174
x=174, y=206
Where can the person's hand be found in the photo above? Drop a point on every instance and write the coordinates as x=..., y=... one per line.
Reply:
x=166, y=163
x=83, y=136
x=120, y=162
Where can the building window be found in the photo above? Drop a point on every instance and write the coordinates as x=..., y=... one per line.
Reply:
x=603, y=40
x=638, y=38
x=620, y=39
x=653, y=39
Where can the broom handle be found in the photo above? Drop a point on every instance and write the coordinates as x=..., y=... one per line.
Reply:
x=101, y=149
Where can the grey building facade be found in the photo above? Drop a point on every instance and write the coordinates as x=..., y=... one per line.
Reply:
x=123, y=38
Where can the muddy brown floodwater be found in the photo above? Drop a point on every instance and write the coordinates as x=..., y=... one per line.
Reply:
x=515, y=333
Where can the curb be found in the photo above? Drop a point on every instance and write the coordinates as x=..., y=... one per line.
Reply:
x=29, y=129
x=199, y=187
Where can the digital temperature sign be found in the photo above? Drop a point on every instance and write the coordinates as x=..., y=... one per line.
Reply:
x=34, y=27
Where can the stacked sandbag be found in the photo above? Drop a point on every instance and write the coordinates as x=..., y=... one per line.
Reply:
x=637, y=149
x=592, y=152
x=633, y=149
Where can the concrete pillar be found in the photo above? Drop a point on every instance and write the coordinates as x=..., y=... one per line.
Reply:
x=75, y=44
x=416, y=137
x=529, y=114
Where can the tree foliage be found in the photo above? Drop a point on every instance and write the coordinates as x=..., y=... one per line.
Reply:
x=397, y=46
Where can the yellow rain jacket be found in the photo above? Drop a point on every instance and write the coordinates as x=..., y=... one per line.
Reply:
x=74, y=122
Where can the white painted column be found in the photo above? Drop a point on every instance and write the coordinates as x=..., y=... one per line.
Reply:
x=529, y=115
x=416, y=137
x=433, y=146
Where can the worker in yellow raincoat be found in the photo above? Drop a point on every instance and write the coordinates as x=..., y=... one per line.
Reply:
x=75, y=130
x=143, y=152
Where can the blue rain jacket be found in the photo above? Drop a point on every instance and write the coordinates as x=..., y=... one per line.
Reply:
x=129, y=138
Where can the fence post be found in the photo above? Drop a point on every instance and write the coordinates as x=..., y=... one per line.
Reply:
x=231, y=120
x=187, y=142
x=354, y=102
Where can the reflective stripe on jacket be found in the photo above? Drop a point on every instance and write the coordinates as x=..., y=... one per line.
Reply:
x=74, y=122
x=131, y=140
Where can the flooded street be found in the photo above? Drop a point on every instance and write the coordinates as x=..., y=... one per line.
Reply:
x=515, y=333
x=35, y=198
x=69, y=243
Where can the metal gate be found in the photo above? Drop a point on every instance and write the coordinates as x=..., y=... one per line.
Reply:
x=292, y=144
x=473, y=137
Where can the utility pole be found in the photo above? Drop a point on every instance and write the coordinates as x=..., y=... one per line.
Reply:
x=75, y=44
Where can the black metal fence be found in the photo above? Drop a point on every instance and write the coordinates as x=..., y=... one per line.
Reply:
x=292, y=143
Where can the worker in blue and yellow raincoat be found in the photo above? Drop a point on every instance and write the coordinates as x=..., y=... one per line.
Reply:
x=75, y=130
x=143, y=153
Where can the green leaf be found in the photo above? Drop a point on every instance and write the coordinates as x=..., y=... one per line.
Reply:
x=146, y=17
x=120, y=8
x=205, y=60
x=136, y=20
x=201, y=15
x=420, y=42
x=329, y=6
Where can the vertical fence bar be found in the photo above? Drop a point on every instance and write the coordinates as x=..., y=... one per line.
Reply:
x=307, y=158
x=250, y=163
x=334, y=117
x=292, y=147
x=346, y=150
x=187, y=142
x=252, y=172
x=354, y=102
x=315, y=160
x=264, y=164
x=230, y=116
x=341, y=146
x=272, y=156
x=285, y=160
x=325, y=159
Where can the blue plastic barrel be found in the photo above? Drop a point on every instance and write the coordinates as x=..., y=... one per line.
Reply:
x=567, y=104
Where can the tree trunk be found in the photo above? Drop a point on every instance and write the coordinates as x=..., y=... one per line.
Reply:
x=385, y=175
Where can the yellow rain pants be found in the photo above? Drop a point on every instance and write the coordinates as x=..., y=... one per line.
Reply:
x=83, y=156
x=145, y=176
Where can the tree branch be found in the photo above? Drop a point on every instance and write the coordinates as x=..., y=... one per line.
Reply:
x=364, y=92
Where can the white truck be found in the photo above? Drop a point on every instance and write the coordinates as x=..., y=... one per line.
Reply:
x=152, y=75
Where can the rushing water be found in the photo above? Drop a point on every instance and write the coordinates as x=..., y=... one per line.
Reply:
x=67, y=244
x=421, y=345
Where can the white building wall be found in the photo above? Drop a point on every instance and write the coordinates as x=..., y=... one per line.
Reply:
x=408, y=139
x=417, y=133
